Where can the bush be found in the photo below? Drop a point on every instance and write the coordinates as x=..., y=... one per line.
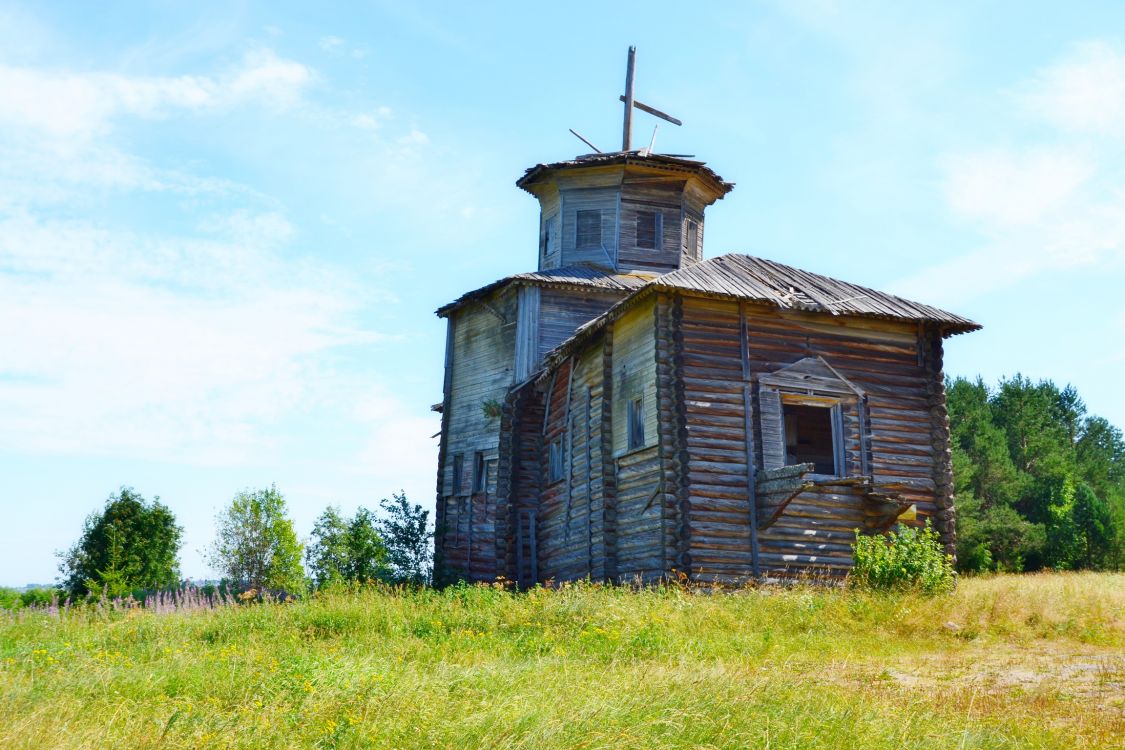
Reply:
x=911, y=559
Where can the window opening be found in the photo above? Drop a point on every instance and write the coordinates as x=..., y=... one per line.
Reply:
x=636, y=422
x=692, y=240
x=458, y=472
x=811, y=436
x=589, y=229
x=556, y=460
x=649, y=225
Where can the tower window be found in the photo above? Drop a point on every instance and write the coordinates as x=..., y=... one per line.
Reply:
x=691, y=239
x=649, y=226
x=458, y=472
x=635, y=419
x=589, y=229
x=549, y=243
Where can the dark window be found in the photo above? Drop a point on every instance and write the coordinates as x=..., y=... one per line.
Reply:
x=811, y=436
x=556, y=460
x=458, y=472
x=478, y=472
x=589, y=229
x=636, y=422
x=648, y=229
x=548, y=235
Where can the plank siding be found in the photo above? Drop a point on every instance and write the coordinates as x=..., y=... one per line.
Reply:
x=605, y=200
x=483, y=342
x=570, y=523
x=665, y=199
x=640, y=512
x=562, y=311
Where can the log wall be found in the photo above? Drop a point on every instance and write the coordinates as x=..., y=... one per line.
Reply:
x=816, y=529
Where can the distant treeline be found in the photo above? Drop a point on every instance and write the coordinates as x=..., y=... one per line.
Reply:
x=1040, y=483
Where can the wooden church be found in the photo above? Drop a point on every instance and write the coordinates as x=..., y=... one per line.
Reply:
x=631, y=410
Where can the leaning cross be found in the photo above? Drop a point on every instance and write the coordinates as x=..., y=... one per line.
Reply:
x=630, y=102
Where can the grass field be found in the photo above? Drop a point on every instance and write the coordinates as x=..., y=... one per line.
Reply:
x=1005, y=662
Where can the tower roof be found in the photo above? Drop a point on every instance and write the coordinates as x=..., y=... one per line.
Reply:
x=541, y=173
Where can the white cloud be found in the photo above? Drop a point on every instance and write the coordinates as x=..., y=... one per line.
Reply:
x=1040, y=208
x=331, y=43
x=1085, y=92
x=169, y=349
x=81, y=105
x=1011, y=188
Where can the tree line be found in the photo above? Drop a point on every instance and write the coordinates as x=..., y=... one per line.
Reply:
x=1039, y=482
x=132, y=545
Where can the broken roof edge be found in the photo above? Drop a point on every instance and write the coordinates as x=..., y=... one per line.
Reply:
x=639, y=157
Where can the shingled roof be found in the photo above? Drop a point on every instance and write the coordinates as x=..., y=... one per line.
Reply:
x=760, y=280
x=744, y=277
x=569, y=277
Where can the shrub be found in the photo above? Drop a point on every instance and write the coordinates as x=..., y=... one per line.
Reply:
x=911, y=559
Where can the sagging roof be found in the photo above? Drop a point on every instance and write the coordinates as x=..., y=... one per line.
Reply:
x=569, y=277
x=745, y=277
x=638, y=158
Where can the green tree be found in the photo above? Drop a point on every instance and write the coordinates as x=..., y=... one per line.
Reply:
x=131, y=544
x=345, y=549
x=255, y=545
x=1093, y=525
x=408, y=537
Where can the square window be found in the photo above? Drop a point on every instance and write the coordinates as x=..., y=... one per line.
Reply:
x=479, y=476
x=811, y=436
x=635, y=420
x=556, y=460
x=589, y=229
x=649, y=225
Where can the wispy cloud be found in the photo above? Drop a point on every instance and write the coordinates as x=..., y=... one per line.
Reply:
x=166, y=348
x=1084, y=92
x=81, y=105
x=1040, y=207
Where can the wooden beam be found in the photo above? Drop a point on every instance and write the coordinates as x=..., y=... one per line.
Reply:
x=630, y=75
x=652, y=111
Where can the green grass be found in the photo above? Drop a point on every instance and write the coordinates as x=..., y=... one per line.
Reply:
x=1004, y=662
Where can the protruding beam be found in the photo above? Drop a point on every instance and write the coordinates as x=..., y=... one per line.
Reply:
x=630, y=74
x=657, y=113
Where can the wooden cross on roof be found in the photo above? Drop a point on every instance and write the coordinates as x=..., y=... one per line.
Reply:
x=630, y=103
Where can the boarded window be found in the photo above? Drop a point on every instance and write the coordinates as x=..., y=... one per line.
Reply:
x=649, y=229
x=478, y=472
x=635, y=419
x=458, y=472
x=556, y=460
x=589, y=229
x=812, y=435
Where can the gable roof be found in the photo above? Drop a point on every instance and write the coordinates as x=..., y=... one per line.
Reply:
x=588, y=278
x=745, y=277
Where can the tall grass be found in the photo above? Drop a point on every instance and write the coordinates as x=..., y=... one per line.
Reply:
x=1007, y=661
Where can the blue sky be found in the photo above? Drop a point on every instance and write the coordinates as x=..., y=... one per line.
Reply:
x=224, y=227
